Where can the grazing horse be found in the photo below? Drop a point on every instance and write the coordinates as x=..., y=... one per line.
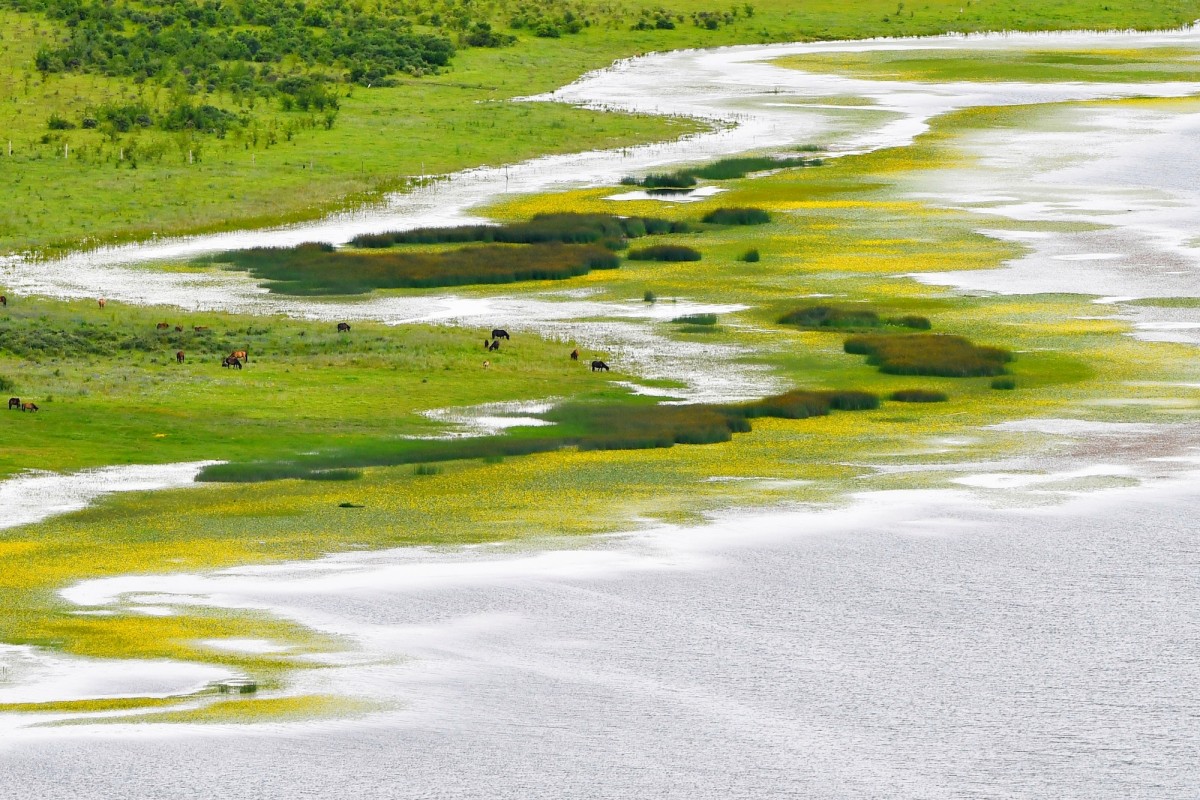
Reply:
x=179, y=357
x=14, y=402
x=240, y=354
x=162, y=326
x=486, y=364
x=495, y=345
x=343, y=327
x=200, y=328
x=3, y=300
x=179, y=329
x=29, y=407
x=598, y=366
x=499, y=333
x=102, y=302
x=574, y=355
x=230, y=361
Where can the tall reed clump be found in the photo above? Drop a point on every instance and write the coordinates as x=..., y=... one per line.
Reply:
x=542, y=229
x=587, y=426
x=312, y=269
x=664, y=252
x=723, y=170
x=929, y=354
x=737, y=216
x=826, y=316
x=696, y=319
x=918, y=396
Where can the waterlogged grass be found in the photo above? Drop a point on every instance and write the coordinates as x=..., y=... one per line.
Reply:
x=1140, y=65
x=929, y=354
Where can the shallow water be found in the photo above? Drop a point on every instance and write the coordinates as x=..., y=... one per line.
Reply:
x=1030, y=632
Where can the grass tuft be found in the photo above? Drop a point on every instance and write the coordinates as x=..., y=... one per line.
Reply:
x=737, y=216
x=929, y=354
x=918, y=396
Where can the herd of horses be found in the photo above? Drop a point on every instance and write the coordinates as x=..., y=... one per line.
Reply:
x=238, y=358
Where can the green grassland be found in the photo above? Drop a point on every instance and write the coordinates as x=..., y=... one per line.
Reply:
x=1149, y=65
x=71, y=186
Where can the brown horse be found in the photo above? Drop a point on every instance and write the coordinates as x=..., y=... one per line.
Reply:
x=179, y=357
x=240, y=354
x=29, y=407
x=574, y=355
x=3, y=300
x=162, y=326
x=14, y=402
x=200, y=328
x=230, y=361
x=179, y=329
x=598, y=366
x=102, y=303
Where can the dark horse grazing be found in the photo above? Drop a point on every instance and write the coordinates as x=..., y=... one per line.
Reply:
x=597, y=366
x=14, y=402
x=179, y=357
x=29, y=407
x=230, y=361
x=179, y=329
x=162, y=326
x=574, y=355
x=499, y=333
x=343, y=327
x=3, y=300
x=495, y=345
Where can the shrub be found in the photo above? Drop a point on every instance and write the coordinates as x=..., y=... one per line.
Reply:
x=317, y=268
x=929, y=354
x=649, y=296
x=427, y=469
x=58, y=123
x=918, y=396
x=1005, y=383
x=831, y=317
x=697, y=319
x=737, y=216
x=910, y=321
x=668, y=180
x=751, y=256
x=542, y=229
x=664, y=252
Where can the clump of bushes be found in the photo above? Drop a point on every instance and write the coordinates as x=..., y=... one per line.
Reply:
x=918, y=396
x=737, y=216
x=1005, y=384
x=696, y=319
x=542, y=229
x=664, y=252
x=826, y=316
x=587, y=426
x=317, y=268
x=649, y=297
x=929, y=354
x=751, y=256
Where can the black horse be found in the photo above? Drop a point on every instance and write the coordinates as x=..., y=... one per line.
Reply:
x=3, y=300
x=598, y=366
x=499, y=333
x=14, y=402
x=495, y=345
x=574, y=355
x=343, y=327
x=231, y=361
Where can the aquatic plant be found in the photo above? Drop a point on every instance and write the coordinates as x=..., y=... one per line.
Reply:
x=696, y=319
x=318, y=268
x=1005, y=383
x=918, y=396
x=751, y=256
x=737, y=216
x=664, y=252
x=541, y=229
x=929, y=354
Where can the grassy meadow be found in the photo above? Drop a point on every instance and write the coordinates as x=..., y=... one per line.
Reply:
x=83, y=186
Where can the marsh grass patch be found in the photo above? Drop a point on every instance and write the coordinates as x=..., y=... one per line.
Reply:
x=938, y=355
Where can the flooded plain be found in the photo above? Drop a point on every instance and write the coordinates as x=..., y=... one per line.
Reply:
x=1029, y=628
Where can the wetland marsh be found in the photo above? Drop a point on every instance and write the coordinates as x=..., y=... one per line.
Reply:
x=835, y=604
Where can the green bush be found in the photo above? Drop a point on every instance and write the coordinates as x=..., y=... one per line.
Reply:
x=542, y=229
x=737, y=216
x=1005, y=383
x=918, y=396
x=697, y=319
x=649, y=296
x=751, y=256
x=929, y=354
x=825, y=316
x=317, y=268
x=664, y=252
x=668, y=180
